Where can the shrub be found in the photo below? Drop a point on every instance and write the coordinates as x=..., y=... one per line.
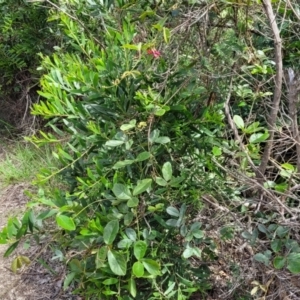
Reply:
x=144, y=109
x=133, y=166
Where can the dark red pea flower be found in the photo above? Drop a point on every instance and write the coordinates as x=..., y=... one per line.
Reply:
x=155, y=53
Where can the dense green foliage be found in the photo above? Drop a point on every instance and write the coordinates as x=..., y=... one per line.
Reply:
x=24, y=33
x=161, y=113
x=21, y=39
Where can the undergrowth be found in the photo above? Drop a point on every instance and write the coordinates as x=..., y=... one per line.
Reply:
x=21, y=162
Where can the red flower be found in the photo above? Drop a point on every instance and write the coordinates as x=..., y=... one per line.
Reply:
x=154, y=52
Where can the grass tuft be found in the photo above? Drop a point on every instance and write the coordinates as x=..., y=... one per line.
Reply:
x=21, y=161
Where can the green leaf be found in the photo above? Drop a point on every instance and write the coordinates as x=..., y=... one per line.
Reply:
x=195, y=226
x=279, y=262
x=173, y=223
x=125, y=244
x=147, y=13
x=65, y=222
x=159, y=112
x=131, y=125
x=160, y=181
x=65, y=154
x=69, y=278
x=269, y=184
x=238, y=122
x=12, y=227
x=101, y=257
x=131, y=47
x=114, y=143
x=167, y=171
x=143, y=156
x=131, y=234
x=11, y=248
x=110, y=231
x=281, y=187
x=90, y=174
x=197, y=252
x=173, y=211
x=153, y=135
x=175, y=181
x=188, y=252
x=138, y=269
x=262, y=228
x=285, y=173
x=109, y=292
x=288, y=166
x=171, y=289
x=142, y=186
x=293, y=263
x=132, y=287
x=216, y=151
x=22, y=231
x=199, y=234
x=292, y=245
x=183, y=230
x=139, y=249
x=262, y=258
x=75, y=265
x=110, y=281
x=282, y=231
x=276, y=245
x=178, y=108
x=272, y=228
x=253, y=128
x=128, y=144
x=162, y=140
x=189, y=237
x=117, y=262
x=123, y=163
x=151, y=266
x=133, y=202
x=121, y=191
x=166, y=32
x=186, y=282
x=128, y=218
x=182, y=212
x=258, y=137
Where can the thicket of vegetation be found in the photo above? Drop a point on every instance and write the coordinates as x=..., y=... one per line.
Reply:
x=175, y=124
x=24, y=33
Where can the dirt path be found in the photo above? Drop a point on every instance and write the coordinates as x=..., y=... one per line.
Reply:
x=11, y=285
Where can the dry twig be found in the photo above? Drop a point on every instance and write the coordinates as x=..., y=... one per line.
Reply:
x=278, y=87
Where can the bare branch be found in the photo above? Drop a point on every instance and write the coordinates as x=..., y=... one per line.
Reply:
x=278, y=86
x=293, y=93
x=293, y=9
